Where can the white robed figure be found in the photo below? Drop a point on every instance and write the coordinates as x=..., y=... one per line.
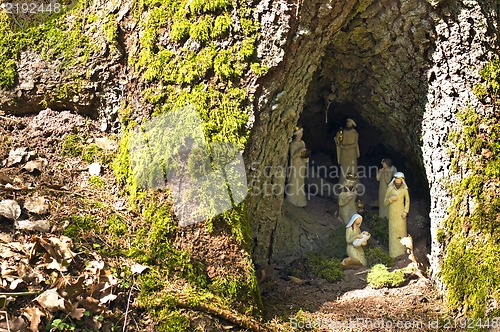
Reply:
x=295, y=188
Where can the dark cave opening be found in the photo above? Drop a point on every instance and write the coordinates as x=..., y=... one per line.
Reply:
x=320, y=127
x=315, y=224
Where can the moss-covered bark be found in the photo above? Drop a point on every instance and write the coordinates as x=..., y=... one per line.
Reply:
x=191, y=54
x=471, y=267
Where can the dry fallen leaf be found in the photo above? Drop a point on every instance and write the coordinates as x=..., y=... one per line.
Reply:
x=106, y=144
x=10, y=209
x=77, y=313
x=51, y=300
x=37, y=205
x=16, y=156
x=33, y=314
x=33, y=165
x=33, y=225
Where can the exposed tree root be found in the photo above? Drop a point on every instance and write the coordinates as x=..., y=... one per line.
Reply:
x=231, y=316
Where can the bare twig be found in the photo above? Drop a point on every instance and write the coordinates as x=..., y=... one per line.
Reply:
x=128, y=306
x=16, y=294
x=231, y=316
x=358, y=273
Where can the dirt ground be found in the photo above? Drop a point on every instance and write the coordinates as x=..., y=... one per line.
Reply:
x=353, y=305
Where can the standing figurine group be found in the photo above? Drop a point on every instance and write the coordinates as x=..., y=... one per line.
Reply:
x=393, y=196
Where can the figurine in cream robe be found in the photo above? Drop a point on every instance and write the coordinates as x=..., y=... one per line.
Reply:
x=398, y=200
x=347, y=149
x=355, y=241
x=295, y=190
x=384, y=177
x=347, y=199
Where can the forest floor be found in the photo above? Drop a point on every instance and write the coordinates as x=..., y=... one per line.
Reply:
x=64, y=236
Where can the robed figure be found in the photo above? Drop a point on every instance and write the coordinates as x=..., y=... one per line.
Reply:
x=398, y=200
x=347, y=149
x=295, y=188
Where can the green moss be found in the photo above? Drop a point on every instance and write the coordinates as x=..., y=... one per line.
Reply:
x=379, y=277
x=247, y=49
x=80, y=227
x=379, y=228
x=201, y=29
x=92, y=153
x=224, y=65
x=180, y=30
x=473, y=274
x=440, y=235
x=97, y=181
x=375, y=255
x=471, y=236
x=480, y=91
x=326, y=268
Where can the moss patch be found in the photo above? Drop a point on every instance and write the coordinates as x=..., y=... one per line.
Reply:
x=336, y=247
x=379, y=277
x=61, y=35
x=379, y=228
x=375, y=255
x=329, y=269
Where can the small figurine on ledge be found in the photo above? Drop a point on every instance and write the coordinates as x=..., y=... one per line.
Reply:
x=299, y=156
x=355, y=241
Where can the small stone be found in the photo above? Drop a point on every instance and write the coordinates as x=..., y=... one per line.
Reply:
x=94, y=169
